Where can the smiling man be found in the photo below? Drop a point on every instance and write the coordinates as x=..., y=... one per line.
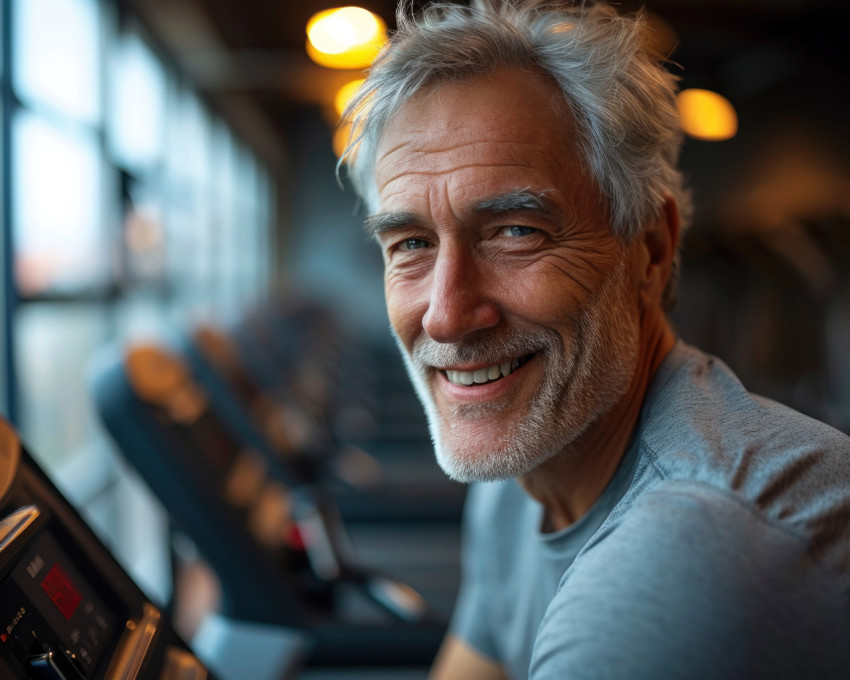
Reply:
x=635, y=512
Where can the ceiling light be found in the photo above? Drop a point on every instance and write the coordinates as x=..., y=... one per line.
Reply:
x=345, y=37
x=340, y=139
x=345, y=93
x=707, y=115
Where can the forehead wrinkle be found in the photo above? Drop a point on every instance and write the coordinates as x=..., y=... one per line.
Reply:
x=418, y=147
x=404, y=174
x=416, y=152
x=383, y=154
x=413, y=156
x=465, y=166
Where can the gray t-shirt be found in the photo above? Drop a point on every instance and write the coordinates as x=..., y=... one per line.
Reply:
x=719, y=549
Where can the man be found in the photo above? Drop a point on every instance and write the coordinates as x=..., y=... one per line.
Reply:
x=635, y=513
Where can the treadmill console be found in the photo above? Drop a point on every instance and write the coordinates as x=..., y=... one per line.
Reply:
x=68, y=611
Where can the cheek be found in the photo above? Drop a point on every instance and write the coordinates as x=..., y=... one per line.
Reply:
x=406, y=305
x=545, y=300
x=555, y=289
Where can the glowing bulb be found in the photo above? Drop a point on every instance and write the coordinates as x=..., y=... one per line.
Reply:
x=336, y=32
x=345, y=93
x=707, y=115
x=346, y=37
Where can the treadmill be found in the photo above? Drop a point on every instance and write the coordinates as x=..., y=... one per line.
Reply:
x=262, y=522
x=68, y=611
x=364, y=474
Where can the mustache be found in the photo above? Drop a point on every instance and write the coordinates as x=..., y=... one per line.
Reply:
x=487, y=349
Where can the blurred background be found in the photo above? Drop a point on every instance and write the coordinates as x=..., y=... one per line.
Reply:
x=167, y=163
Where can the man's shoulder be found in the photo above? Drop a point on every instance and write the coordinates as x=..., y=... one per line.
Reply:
x=693, y=577
x=700, y=534
x=701, y=425
x=697, y=396
x=691, y=521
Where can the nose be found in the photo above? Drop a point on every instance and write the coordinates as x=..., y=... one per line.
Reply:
x=460, y=299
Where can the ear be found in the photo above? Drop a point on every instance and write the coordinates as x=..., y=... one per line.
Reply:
x=658, y=245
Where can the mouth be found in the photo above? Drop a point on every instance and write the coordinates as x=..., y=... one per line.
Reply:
x=485, y=375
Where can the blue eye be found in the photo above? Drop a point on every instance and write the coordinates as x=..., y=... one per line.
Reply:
x=519, y=231
x=413, y=244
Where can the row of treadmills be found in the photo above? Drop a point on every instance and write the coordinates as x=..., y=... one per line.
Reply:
x=299, y=466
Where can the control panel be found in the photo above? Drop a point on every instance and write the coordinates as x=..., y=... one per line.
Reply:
x=68, y=611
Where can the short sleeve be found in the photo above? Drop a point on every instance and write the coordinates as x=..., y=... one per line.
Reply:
x=690, y=582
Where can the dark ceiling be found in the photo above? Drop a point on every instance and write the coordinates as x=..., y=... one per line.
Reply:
x=249, y=54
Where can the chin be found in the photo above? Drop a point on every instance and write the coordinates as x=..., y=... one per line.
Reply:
x=521, y=446
x=484, y=465
x=494, y=453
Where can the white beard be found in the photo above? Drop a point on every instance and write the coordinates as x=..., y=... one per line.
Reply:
x=578, y=387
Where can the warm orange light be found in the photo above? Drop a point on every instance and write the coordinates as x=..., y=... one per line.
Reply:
x=345, y=37
x=707, y=115
x=660, y=40
x=345, y=93
x=340, y=139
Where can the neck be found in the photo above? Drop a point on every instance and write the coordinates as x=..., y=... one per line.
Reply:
x=568, y=484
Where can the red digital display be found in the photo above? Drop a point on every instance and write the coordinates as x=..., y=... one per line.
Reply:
x=61, y=591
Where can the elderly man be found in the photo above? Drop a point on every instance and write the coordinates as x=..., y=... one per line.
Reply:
x=636, y=513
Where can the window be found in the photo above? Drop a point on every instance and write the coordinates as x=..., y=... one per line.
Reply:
x=126, y=215
x=137, y=104
x=60, y=244
x=7, y=384
x=56, y=63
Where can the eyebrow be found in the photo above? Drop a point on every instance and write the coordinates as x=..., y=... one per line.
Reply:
x=382, y=222
x=513, y=201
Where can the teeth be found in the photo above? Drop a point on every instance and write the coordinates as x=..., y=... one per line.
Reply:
x=482, y=375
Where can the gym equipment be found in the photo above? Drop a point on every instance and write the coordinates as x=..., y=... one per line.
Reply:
x=262, y=522
x=364, y=487
x=68, y=611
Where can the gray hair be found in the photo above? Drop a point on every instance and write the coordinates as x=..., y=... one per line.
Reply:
x=621, y=97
